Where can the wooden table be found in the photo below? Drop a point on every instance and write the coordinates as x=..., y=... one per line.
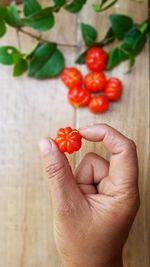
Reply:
x=31, y=109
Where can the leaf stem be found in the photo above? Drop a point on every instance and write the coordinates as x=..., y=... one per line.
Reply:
x=41, y=39
x=102, y=7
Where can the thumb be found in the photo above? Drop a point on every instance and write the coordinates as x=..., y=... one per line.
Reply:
x=63, y=186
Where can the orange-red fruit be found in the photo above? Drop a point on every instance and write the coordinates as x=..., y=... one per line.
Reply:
x=71, y=77
x=98, y=104
x=79, y=97
x=113, y=89
x=96, y=59
x=95, y=81
x=68, y=140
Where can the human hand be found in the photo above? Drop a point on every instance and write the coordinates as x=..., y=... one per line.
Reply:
x=94, y=208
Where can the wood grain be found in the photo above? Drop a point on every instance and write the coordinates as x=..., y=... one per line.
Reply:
x=31, y=109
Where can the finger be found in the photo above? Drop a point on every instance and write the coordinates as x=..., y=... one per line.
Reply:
x=123, y=163
x=63, y=187
x=91, y=170
x=88, y=189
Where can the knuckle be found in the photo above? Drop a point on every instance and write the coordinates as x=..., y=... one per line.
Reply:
x=128, y=145
x=132, y=144
x=55, y=169
x=111, y=137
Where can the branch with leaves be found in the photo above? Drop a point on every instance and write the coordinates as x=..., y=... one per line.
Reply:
x=132, y=38
x=46, y=59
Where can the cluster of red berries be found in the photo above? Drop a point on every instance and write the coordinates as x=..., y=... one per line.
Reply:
x=97, y=91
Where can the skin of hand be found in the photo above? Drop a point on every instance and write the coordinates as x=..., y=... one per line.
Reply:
x=95, y=207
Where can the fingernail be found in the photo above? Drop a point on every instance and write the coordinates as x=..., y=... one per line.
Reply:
x=45, y=146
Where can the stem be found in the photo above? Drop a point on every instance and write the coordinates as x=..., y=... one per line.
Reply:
x=110, y=5
x=39, y=38
x=102, y=7
x=56, y=8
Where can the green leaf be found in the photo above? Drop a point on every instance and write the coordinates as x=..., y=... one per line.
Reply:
x=31, y=7
x=41, y=55
x=134, y=42
x=59, y=2
x=89, y=34
x=139, y=44
x=53, y=66
x=109, y=38
x=102, y=7
x=129, y=40
x=103, y=2
x=81, y=59
x=12, y=16
x=20, y=67
x=41, y=21
x=120, y=24
x=145, y=26
x=131, y=63
x=47, y=61
x=2, y=28
x=115, y=57
x=75, y=6
x=17, y=57
x=7, y=54
x=31, y=52
x=3, y=11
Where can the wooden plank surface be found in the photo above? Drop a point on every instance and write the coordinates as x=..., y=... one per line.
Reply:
x=31, y=109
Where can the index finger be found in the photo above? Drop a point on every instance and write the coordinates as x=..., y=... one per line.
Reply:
x=123, y=163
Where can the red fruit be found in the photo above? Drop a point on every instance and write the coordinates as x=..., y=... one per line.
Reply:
x=113, y=89
x=71, y=77
x=96, y=59
x=95, y=81
x=68, y=140
x=78, y=97
x=99, y=103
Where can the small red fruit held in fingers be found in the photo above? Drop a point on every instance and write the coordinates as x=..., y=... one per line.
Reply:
x=78, y=97
x=96, y=59
x=99, y=103
x=68, y=140
x=95, y=81
x=71, y=77
x=113, y=89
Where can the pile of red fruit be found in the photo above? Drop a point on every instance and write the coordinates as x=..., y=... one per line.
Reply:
x=97, y=90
